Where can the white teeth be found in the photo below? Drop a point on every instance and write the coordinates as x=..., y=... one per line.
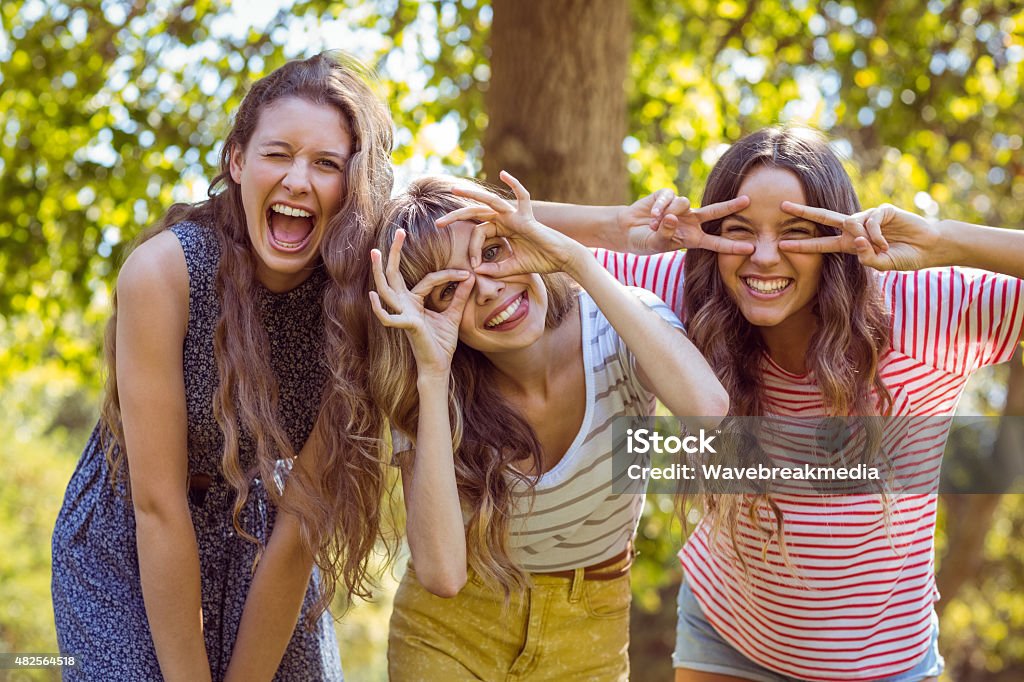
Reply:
x=767, y=286
x=505, y=314
x=288, y=210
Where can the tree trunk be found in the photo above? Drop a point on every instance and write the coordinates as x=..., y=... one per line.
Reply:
x=968, y=517
x=556, y=100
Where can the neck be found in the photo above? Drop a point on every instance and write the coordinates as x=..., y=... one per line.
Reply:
x=533, y=370
x=789, y=341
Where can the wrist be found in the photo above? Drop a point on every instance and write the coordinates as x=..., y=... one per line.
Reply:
x=581, y=264
x=615, y=234
x=433, y=379
x=951, y=247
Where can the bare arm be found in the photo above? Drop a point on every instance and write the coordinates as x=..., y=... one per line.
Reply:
x=434, y=525
x=593, y=226
x=152, y=293
x=977, y=246
x=655, y=223
x=274, y=602
x=668, y=364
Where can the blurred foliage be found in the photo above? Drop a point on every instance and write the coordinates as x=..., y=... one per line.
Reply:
x=110, y=110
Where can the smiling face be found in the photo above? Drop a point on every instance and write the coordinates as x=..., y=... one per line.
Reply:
x=292, y=180
x=502, y=314
x=771, y=288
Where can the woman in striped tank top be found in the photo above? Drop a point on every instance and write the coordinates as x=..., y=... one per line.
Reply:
x=835, y=312
x=502, y=385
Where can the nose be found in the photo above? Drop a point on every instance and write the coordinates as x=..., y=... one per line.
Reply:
x=296, y=180
x=487, y=289
x=766, y=252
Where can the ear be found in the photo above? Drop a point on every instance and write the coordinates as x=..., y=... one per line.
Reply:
x=236, y=163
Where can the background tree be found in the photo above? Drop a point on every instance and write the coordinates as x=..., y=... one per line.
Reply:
x=556, y=98
x=110, y=110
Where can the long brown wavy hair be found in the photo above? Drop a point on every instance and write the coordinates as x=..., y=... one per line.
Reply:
x=340, y=507
x=853, y=324
x=488, y=434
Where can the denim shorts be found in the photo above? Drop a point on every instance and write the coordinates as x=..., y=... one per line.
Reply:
x=700, y=647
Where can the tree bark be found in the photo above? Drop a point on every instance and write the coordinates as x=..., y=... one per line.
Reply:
x=968, y=517
x=556, y=100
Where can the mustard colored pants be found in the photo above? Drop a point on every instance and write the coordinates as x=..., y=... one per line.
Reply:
x=560, y=630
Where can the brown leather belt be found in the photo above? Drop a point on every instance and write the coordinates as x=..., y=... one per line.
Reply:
x=596, y=571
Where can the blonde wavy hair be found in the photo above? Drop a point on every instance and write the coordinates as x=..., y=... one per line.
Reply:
x=488, y=435
x=853, y=323
x=340, y=507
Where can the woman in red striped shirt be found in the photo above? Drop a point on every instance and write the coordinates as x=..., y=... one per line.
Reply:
x=836, y=312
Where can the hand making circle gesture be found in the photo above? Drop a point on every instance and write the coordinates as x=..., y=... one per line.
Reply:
x=432, y=334
x=535, y=247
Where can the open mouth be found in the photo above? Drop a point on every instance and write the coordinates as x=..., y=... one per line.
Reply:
x=290, y=227
x=767, y=287
x=506, y=318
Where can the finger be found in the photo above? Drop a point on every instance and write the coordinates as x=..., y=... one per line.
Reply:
x=500, y=269
x=677, y=206
x=662, y=199
x=667, y=229
x=721, y=209
x=480, y=234
x=486, y=198
x=815, y=245
x=854, y=226
x=875, y=219
x=713, y=242
x=378, y=310
x=459, y=300
x=476, y=244
x=387, y=294
x=522, y=195
x=394, y=274
x=865, y=252
x=436, y=279
x=822, y=216
x=474, y=213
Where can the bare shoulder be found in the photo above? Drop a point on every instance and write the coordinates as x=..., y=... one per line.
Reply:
x=154, y=278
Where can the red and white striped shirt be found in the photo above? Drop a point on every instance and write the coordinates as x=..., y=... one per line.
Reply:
x=855, y=601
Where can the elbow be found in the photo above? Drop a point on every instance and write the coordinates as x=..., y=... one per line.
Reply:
x=713, y=410
x=445, y=585
x=719, y=408
x=158, y=511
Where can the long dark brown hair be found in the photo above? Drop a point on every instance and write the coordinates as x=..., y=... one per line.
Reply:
x=488, y=434
x=339, y=508
x=853, y=324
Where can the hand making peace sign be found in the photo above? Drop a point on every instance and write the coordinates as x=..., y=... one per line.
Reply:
x=663, y=221
x=884, y=238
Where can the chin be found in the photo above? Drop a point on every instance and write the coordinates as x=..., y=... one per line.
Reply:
x=763, y=318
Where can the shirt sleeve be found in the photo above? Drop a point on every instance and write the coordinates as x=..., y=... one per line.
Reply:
x=955, y=319
x=661, y=274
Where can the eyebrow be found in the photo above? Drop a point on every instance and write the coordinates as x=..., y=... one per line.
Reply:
x=794, y=220
x=322, y=152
